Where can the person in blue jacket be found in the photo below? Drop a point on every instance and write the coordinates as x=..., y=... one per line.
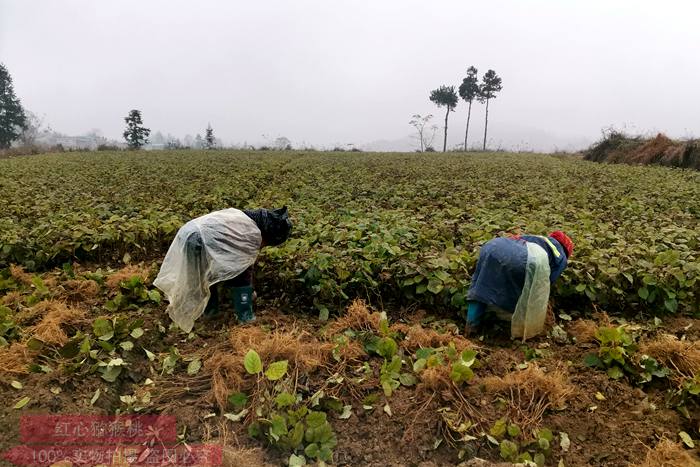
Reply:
x=504, y=274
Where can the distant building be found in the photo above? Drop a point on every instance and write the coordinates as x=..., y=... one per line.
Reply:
x=89, y=142
x=78, y=142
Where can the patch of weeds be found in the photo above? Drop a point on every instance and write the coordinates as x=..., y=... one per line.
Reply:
x=534, y=354
x=461, y=363
x=132, y=293
x=515, y=446
x=687, y=394
x=389, y=376
x=41, y=291
x=67, y=270
x=105, y=350
x=8, y=328
x=385, y=346
x=341, y=342
x=134, y=403
x=650, y=368
x=97, y=276
x=616, y=348
x=7, y=282
x=616, y=356
x=281, y=416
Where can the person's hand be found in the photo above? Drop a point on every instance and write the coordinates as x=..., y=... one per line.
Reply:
x=255, y=295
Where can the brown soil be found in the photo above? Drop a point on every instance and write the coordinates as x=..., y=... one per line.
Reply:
x=609, y=422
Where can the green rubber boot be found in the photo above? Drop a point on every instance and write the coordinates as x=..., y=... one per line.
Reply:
x=242, y=298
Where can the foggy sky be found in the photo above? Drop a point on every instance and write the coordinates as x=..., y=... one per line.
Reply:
x=335, y=72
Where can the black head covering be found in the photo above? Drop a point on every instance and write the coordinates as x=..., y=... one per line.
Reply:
x=274, y=224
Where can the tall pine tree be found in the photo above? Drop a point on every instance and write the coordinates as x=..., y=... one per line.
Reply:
x=490, y=86
x=136, y=135
x=13, y=120
x=209, y=140
x=445, y=96
x=469, y=90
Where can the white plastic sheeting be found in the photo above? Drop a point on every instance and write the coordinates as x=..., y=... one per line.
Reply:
x=209, y=249
x=531, y=310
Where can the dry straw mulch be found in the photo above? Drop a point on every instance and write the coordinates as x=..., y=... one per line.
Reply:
x=113, y=280
x=530, y=392
x=55, y=316
x=15, y=358
x=680, y=355
x=669, y=454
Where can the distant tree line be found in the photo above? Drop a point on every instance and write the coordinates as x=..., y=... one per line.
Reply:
x=18, y=124
x=137, y=136
x=448, y=97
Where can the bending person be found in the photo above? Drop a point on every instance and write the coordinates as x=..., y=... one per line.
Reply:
x=513, y=277
x=218, y=248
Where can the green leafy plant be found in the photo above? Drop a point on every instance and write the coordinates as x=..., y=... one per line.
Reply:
x=686, y=395
x=133, y=292
x=515, y=446
x=254, y=366
x=8, y=328
x=389, y=376
x=385, y=346
x=421, y=246
x=649, y=368
x=462, y=366
x=341, y=343
x=106, y=350
x=282, y=417
x=293, y=428
x=320, y=436
x=614, y=354
x=461, y=363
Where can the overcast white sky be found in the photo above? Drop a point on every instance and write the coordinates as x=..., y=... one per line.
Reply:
x=329, y=72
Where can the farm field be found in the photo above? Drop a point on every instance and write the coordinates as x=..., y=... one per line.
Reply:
x=358, y=355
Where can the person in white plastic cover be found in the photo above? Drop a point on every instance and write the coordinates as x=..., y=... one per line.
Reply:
x=513, y=277
x=218, y=248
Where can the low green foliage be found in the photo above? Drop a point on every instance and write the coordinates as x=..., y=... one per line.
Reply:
x=297, y=428
x=341, y=343
x=403, y=227
x=614, y=354
x=686, y=396
x=389, y=377
x=36, y=291
x=461, y=363
x=133, y=292
x=8, y=328
x=252, y=363
x=282, y=417
x=649, y=368
x=517, y=447
x=254, y=366
x=106, y=351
